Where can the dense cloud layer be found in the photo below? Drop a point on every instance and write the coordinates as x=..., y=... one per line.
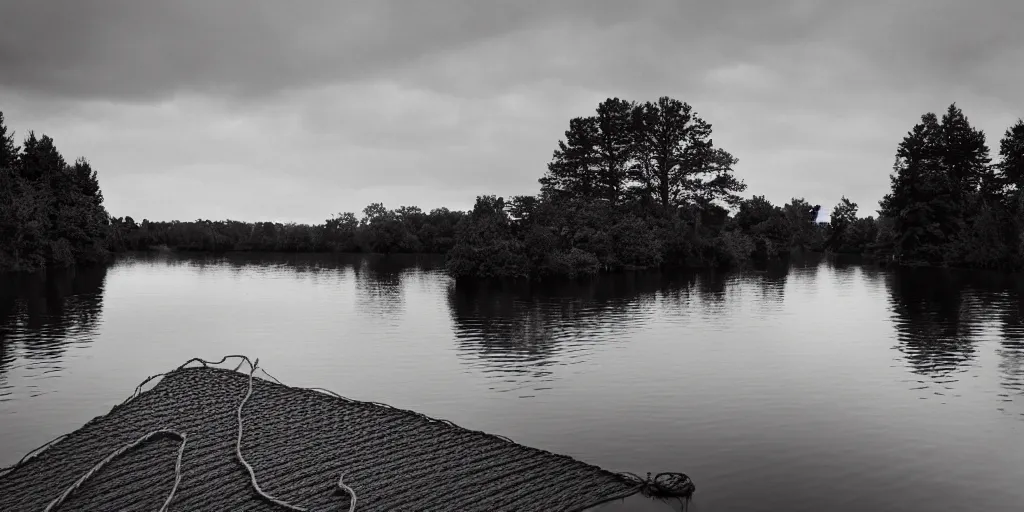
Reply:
x=314, y=107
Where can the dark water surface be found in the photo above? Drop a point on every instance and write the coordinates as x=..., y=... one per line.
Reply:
x=814, y=387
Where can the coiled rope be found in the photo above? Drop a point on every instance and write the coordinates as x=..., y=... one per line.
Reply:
x=664, y=485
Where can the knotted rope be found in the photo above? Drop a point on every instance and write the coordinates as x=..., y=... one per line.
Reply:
x=664, y=485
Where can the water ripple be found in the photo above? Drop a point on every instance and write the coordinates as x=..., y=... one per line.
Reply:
x=44, y=317
x=825, y=372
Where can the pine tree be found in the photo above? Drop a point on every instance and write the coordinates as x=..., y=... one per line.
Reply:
x=964, y=154
x=916, y=182
x=1009, y=174
x=942, y=181
x=8, y=150
x=663, y=131
x=675, y=159
x=1010, y=168
x=572, y=172
x=614, y=146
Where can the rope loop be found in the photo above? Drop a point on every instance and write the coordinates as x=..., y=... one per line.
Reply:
x=663, y=485
x=668, y=485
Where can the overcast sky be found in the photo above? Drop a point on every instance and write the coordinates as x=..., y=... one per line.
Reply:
x=295, y=110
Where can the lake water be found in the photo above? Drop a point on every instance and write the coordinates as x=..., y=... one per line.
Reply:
x=817, y=386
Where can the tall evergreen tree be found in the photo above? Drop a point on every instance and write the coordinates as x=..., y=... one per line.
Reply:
x=919, y=194
x=40, y=161
x=964, y=154
x=915, y=169
x=941, y=181
x=1010, y=178
x=1010, y=168
x=8, y=150
x=614, y=146
x=972, y=186
x=9, y=195
x=572, y=171
x=663, y=131
x=86, y=179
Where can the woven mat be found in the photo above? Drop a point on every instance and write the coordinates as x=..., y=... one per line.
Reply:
x=298, y=441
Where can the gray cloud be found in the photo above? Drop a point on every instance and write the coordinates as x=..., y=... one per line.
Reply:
x=127, y=49
x=314, y=107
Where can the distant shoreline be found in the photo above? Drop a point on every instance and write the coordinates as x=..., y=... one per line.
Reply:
x=636, y=185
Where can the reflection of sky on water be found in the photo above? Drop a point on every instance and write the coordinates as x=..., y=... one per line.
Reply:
x=805, y=377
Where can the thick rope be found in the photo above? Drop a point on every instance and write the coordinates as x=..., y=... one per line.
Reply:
x=33, y=453
x=252, y=473
x=238, y=449
x=117, y=453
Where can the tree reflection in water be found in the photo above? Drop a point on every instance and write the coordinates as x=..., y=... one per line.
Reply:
x=43, y=314
x=941, y=317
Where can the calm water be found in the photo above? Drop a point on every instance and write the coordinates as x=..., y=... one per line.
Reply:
x=814, y=387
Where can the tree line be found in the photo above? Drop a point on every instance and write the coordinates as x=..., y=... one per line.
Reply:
x=380, y=230
x=635, y=185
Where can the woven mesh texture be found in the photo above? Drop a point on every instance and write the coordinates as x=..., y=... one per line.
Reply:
x=298, y=441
